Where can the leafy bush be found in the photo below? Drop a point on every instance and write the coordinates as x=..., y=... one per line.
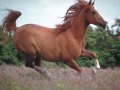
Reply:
x=9, y=55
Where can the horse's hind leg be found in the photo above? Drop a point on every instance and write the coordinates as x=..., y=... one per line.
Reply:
x=29, y=61
x=37, y=60
x=37, y=63
x=37, y=67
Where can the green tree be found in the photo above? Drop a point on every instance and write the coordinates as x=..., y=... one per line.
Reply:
x=116, y=26
x=116, y=45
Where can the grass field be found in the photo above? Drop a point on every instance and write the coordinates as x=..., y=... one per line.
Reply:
x=22, y=78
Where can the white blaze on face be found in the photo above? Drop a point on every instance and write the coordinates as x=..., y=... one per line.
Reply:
x=97, y=65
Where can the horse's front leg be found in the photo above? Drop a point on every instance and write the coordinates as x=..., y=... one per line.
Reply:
x=91, y=54
x=72, y=63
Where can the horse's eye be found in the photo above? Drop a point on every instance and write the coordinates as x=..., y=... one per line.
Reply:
x=93, y=12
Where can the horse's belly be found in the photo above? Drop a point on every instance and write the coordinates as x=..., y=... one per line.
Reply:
x=49, y=53
x=51, y=58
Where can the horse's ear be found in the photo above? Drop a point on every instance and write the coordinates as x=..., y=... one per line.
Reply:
x=88, y=6
x=90, y=2
x=93, y=2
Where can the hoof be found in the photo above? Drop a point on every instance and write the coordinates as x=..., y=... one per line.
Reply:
x=97, y=65
x=41, y=71
x=94, y=70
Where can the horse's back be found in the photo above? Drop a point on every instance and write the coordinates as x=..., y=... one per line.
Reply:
x=32, y=31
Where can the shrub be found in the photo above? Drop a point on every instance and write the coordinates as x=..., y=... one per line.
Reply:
x=9, y=55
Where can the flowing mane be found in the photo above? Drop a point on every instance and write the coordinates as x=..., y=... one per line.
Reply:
x=72, y=11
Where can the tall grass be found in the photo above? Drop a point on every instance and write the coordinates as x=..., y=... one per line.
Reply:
x=7, y=83
x=22, y=78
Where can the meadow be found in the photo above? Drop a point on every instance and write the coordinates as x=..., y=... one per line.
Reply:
x=23, y=78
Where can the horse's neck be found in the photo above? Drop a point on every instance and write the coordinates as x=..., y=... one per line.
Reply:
x=79, y=28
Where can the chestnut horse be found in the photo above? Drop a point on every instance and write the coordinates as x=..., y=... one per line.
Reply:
x=64, y=43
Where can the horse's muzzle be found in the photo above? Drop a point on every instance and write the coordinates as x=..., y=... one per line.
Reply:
x=104, y=25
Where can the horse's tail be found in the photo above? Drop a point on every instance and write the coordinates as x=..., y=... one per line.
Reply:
x=9, y=23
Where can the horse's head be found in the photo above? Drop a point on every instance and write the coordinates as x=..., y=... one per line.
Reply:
x=92, y=16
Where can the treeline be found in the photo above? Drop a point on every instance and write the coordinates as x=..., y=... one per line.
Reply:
x=105, y=42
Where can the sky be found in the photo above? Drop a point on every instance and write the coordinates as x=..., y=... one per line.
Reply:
x=49, y=12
